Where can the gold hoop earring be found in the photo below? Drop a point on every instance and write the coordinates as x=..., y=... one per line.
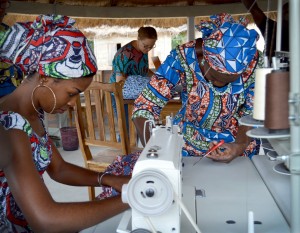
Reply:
x=42, y=85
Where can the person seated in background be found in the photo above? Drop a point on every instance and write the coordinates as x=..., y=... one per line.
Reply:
x=264, y=23
x=131, y=64
x=132, y=58
x=59, y=64
x=217, y=77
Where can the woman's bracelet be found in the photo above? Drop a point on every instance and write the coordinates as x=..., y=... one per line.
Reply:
x=100, y=176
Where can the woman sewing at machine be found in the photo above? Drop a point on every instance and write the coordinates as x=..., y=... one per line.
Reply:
x=216, y=73
x=55, y=77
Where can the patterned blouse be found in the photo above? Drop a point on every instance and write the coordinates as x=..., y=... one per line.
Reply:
x=208, y=113
x=129, y=61
x=11, y=217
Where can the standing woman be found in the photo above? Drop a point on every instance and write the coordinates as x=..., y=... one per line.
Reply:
x=132, y=58
x=59, y=65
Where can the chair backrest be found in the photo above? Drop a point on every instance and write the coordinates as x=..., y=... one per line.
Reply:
x=156, y=62
x=98, y=123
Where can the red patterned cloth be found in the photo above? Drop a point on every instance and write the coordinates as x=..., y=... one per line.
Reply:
x=51, y=46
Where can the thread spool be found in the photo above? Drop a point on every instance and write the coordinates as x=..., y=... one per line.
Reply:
x=277, y=95
x=260, y=93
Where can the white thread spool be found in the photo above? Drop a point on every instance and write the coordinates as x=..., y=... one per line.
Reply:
x=260, y=93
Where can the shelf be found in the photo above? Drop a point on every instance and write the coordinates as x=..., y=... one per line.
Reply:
x=250, y=121
x=265, y=133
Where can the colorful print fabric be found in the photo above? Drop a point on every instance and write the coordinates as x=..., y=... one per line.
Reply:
x=11, y=217
x=228, y=46
x=11, y=77
x=51, y=46
x=129, y=61
x=208, y=113
x=122, y=165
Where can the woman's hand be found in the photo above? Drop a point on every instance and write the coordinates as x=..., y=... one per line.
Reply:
x=227, y=152
x=115, y=182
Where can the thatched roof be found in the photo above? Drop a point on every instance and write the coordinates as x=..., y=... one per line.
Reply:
x=134, y=3
x=106, y=26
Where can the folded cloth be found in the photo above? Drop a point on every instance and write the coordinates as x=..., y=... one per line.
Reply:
x=134, y=85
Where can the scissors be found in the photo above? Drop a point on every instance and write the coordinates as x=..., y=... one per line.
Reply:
x=220, y=143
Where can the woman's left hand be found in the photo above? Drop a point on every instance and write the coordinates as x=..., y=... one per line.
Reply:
x=227, y=152
x=115, y=182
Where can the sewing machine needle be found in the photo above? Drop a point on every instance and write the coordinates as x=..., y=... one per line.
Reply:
x=210, y=150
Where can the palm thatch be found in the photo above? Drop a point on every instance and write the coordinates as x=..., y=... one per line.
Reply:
x=105, y=27
x=134, y=3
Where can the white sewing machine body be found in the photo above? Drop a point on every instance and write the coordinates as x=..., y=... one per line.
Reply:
x=170, y=194
x=155, y=180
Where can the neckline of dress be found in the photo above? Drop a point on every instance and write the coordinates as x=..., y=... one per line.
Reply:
x=219, y=90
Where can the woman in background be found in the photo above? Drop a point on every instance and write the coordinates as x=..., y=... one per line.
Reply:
x=132, y=58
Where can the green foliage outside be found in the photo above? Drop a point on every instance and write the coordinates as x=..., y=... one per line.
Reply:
x=179, y=39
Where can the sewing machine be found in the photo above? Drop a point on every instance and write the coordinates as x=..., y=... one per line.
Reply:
x=154, y=192
x=168, y=193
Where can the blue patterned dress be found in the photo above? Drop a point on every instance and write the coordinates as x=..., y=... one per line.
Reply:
x=11, y=217
x=208, y=113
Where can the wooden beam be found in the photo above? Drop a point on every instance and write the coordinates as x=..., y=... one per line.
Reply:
x=190, y=2
x=130, y=12
x=113, y=2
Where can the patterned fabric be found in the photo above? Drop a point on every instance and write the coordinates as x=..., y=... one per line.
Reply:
x=3, y=30
x=134, y=85
x=208, y=113
x=51, y=46
x=11, y=77
x=11, y=217
x=122, y=165
x=228, y=46
x=129, y=61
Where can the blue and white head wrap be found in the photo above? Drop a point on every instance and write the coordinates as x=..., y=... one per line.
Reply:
x=228, y=46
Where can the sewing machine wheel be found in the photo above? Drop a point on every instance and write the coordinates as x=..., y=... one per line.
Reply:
x=150, y=193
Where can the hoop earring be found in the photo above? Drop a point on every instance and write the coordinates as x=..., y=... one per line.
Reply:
x=42, y=85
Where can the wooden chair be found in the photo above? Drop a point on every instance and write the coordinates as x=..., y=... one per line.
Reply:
x=156, y=62
x=99, y=128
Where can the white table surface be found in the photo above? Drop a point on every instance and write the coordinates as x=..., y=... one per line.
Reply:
x=231, y=191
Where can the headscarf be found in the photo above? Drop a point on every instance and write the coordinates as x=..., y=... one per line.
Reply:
x=51, y=46
x=228, y=46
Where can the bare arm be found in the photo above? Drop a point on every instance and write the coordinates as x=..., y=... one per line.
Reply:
x=70, y=174
x=20, y=171
x=258, y=15
x=139, y=125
